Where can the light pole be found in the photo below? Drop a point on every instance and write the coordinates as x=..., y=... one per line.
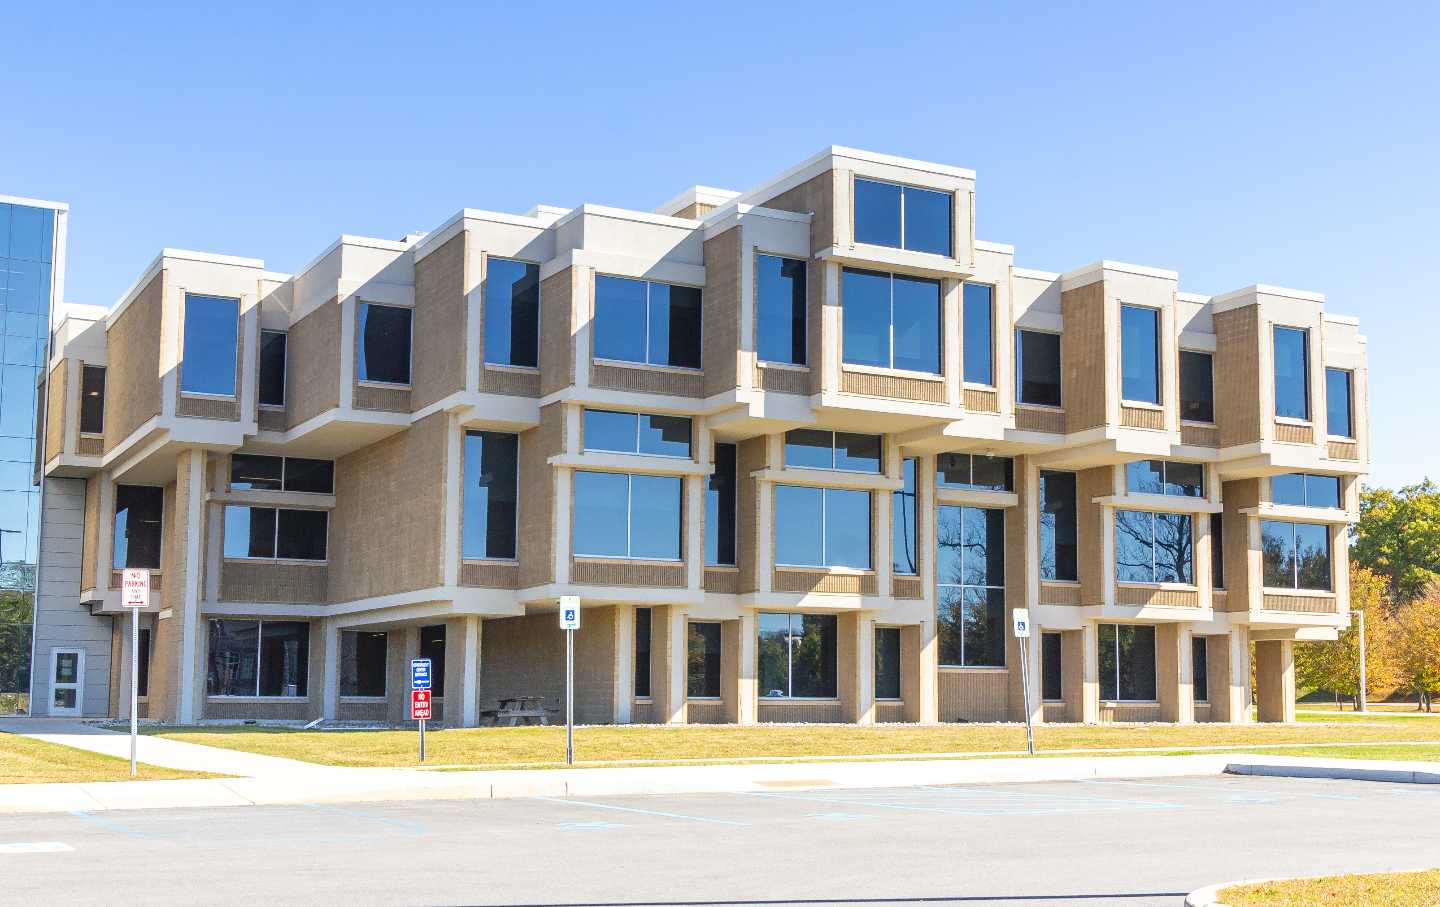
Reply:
x=1360, y=697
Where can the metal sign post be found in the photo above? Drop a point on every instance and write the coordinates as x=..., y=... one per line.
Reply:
x=134, y=594
x=1021, y=623
x=569, y=622
x=420, y=696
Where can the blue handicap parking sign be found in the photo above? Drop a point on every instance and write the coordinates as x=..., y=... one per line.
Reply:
x=419, y=673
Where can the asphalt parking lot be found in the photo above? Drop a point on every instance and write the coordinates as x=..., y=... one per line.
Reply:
x=1071, y=843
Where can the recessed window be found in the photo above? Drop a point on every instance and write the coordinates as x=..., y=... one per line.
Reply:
x=813, y=448
x=432, y=646
x=137, y=526
x=643, y=632
x=702, y=661
x=258, y=658
x=384, y=355
x=1052, y=674
x=491, y=494
x=890, y=321
x=142, y=675
x=646, y=322
x=904, y=522
x=92, y=400
x=256, y=472
x=903, y=217
x=979, y=334
x=887, y=663
x=822, y=527
x=720, y=509
x=627, y=516
x=1217, y=550
x=1165, y=477
x=798, y=656
x=271, y=381
x=661, y=436
x=1154, y=547
x=212, y=330
x=1200, y=670
x=512, y=312
x=975, y=472
x=1303, y=489
x=1127, y=663
x=1037, y=368
x=1292, y=372
x=1139, y=354
x=270, y=533
x=362, y=664
x=970, y=586
x=780, y=304
x=1339, y=396
x=1295, y=555
x=1197, y=386
x=1059, y=547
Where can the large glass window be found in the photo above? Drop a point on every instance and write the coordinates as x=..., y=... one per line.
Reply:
x=512, y=312
x=970, y=586
x=1217, y=550
x=975, y=472
x=798, y=656
x=272, y=367
x=1127, y=663
x=362, y=663
x=137, y=526
x=1059, y=548
x=92, y=400
x=904, y=525
x=902, y=217
x=1197, y=386
x=1186, y=480
x=627, y=516
x=643, y=321
x=491, y=494
x=1292, y=372
x=643, y=618
x=257, y=472
x=814, y=448
x=1339, y=396
x=720, y=508
x=1037, y=368
x=661, y=436
x=271, y=533
x=822, y=527
x=887, y=663
x=384, y=354
x=1305, y=489
x=1154, y=547
x=258, y=658
x=1295, y=555
x=979, y=334
x=780, y=322
x=1200, y=670
x=1139, y=354
x=890, y=321
x=702, y=663
x=1052, y=674
x=212, y=329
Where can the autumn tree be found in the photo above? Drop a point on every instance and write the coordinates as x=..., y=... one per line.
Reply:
x=1416, y=647
x=1335, y=665
x=1398, y=536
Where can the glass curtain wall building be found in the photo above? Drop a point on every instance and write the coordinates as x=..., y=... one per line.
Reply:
x=31, y=263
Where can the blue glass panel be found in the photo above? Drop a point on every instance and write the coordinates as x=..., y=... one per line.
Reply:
x=490, y=495
x=927, y=220
x=1312, y=556
x=665, y=436
x=812, y=448
x=605, y=430
x=601, y=514
x=877, y=213
x=1339, y=420
x=32, y=233
x=212, y=325
x=384, y=344
x=674, y=329
x=1134, y=547
x=1145, y=477
x=780, y=289
x=979, y=334
x=17, y=400
x=655, y=517
x=949, y=545
x=1292, y=373
x=619, y=319
x=720, y=508
x=1322, y=491
x=1185, y=479
x=857, y=452
x=5, y=213
x=865, y=314
x=512, y=312
x=1139, y=354
x=1288, y=489
x=847, y=528
x=799, y=522
x=27, y=289
x=916, y=313
x=904, y=529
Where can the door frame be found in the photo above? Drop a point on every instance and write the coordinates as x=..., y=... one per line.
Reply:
x=78, y=685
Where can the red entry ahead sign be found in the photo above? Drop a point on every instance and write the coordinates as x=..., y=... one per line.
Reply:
x=419, y=705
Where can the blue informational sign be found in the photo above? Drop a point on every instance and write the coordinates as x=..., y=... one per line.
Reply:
x=419, y=673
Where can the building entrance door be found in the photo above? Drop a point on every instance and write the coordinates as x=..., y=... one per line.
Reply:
x=67, y=682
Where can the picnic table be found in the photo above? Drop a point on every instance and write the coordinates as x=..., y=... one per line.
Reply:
x=521, y=709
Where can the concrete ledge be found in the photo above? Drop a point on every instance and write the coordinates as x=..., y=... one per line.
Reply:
x=1337, y=769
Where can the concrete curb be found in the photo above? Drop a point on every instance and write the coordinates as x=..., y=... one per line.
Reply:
x=1361, y=770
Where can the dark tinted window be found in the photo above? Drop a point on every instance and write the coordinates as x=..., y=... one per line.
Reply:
x=491, y=495
x=674, y=337
x=979, y=334
x=654, y=323
x=249, y=531
x=810, y=447
x=137, y=526
x=664, y=436
x=1139, y=354
x=1165, y=477
x=890, y=321
x=780, y=322
x=142, y=674
x=301, y=534
x=1197, y=386
x=606, y=430
x=272, y=368
x=1185, y=479
x=977, y=472
x=904, y=528
x=1052, y=672
x=720, y=508
x=1217, y=551
x=915, y=324
x=1038, y=368
x=284, y=657
x=92, y=400
x=512, y=312
x=857, y=452
x=1339, y=418
x=1292, y=373
x=1322, y=491
x=258, y=658
x=384, y=344
x=256, y=472
x=212, y=326
x=1200, y=671
x=312, y=476
x=1058, y=537
x=887, y=662
x=797, y=656
x=362, y=663
x=970, y=580
x=1127, y=662
x=642, y=653
x=1288, y=489
x=432, y=646
x=702, y=674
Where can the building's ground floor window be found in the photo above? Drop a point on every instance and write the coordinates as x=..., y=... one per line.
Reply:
x=258, y=658
x=798, y=656
x=1052, y=674
x=970, y=591
x=432, y=646
x=887, y=662
x=362, y=663
x=142, y=676
x=1127, y=663
x=642, y=653
x=703, y=661
x=1200, y=672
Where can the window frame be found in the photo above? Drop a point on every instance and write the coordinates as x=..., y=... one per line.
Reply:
x=834, y=452
x=384, y=669
x=1020, y=368
x=1349, y=374
x=1155, y=516
x=992, y=364
x=649, y=655
x=962, y=586
x=855, y=219
x=804, y=311
x=1200, y=692
x=259, y=653
x=1165, y=479
x=734, y=507
x=646, y=363
x=1073, y=525
x=1210, y=356
x=1154, y=662
x=464, y=438
x=719, y=633
x=639, y=419
x=794, y=620
x=284, y=370
x=360, y=315
x=86, y=369
x=906, y=495
x=284, y=474
x=1304, y=333
x=887, y=630
x=971, y=485
x=1159, y=367
x=275, y=539
x=234, y=392
x=890, y=365
x=539, y=313
x=630, y=519
x=824, y=493
x=1294, y=554
x=114, y=512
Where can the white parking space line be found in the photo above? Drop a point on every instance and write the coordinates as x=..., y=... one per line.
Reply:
x=36, y=847
x=643, y=812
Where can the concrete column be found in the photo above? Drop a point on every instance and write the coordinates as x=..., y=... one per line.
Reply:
x=462, y=672
x=624, y=663
x=669, y=654
x=330, y=677
x=1229, y=670
x=730, y=670
x=1275, y=680
x=920, y=672
x=747, y=683
x=401, y=645
x=1090, y=673
x=857, y=667
x=1072, y=674
x=1172, y=674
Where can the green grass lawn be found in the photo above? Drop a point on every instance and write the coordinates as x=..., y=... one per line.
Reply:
x=1421, y=753
x=1392, y=889
x=27, y=761
x=1412, y=718
x=545, y=746
x=1373, y=708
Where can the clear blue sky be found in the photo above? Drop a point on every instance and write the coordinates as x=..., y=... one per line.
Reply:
x=1292, y=144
